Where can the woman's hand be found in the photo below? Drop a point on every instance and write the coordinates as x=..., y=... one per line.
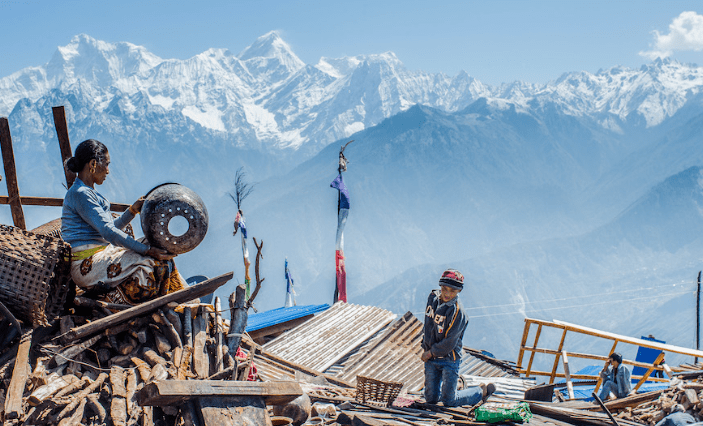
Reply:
x=426, y=356
x=136, y=207
x=159, y=254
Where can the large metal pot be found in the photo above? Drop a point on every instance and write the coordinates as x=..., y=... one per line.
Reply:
x=169, y=201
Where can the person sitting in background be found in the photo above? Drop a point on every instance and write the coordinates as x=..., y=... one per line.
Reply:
x=616, y=379
x=105, y=260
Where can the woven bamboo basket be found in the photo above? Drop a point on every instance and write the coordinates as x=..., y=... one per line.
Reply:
x=377, y=392
x=34, y=274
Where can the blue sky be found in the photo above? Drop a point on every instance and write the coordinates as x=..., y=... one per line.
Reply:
x=494, y=41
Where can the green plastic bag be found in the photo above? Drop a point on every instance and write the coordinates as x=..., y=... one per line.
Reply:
x=494, y=412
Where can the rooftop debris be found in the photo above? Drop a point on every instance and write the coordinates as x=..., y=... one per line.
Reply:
x=175, y=361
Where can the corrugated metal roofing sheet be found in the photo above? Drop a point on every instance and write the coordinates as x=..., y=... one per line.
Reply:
x=512, y=388
x=280, y=315
x=393, y=355
x=330, y=335
x=473, y=363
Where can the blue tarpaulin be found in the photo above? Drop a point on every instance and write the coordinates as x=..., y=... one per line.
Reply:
x=278, y=316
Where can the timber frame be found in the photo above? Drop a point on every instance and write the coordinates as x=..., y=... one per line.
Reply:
x=14, y=199
x=561, y=353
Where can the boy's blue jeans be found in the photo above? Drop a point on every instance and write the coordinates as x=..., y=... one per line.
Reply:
x=443, y=374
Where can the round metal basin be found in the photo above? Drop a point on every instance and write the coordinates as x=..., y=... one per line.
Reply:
x=168, y=205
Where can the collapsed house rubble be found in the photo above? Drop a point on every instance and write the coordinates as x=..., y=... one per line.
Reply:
x=67, y=359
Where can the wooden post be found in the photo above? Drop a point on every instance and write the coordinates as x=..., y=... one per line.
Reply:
x=8, y=159
x=532, y=353
x=238, y=320
x=13, y=400
x=556, y=357
x=698, y=316
x=201, y=360
x=219, y=364
x=525, y=333
x=649, y=371
x=64, y=143
x=567, y=374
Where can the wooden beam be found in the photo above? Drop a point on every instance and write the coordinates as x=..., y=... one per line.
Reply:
x=567, y=375
x=649, y=371
x=201, y=358
x=532, y=354
x=556, y=357
x=593, y=357
x=180, y=296
x=175, y=392
x=64, y=143
x=269, y=357
x=525, y=333
x=586, y=376
x=8, y=159
x=629, y=340
x=240, y=410
x=13, y=400
x=55, y=202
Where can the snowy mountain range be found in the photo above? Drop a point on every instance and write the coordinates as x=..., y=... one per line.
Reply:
x=267, y=98
x=566, y=189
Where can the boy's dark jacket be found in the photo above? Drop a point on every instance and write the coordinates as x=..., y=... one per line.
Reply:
x=444, y=327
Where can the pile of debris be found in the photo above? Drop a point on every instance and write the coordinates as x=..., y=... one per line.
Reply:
x=682, y=397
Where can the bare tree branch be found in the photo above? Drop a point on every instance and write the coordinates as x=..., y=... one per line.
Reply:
x=242, y=188
x=259, y=280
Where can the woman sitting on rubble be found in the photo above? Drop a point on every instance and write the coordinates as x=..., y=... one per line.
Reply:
x=105, y=261
x=616, y=379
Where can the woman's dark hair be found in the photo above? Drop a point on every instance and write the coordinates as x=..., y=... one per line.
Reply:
x=615, y=356
x=87, y=150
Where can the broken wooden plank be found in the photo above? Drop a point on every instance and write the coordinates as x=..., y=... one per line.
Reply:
x=55, y=202
x=201, y=359
x=8, y=159
x=13, y=400
x=219, y=363
x=175, y=392
x=567, y=374
x=55, y=382
x=64, y=143
x=179, y=296
x=649, y=371
x=247, y=410
x=67, y=355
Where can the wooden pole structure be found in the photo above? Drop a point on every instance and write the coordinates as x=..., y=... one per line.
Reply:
x=567, y=374
x=649, y=371
x=55, y=202
x=64, y=143
x=8, y=158
x=556, y=357
x=532, y=355
x=698, y=316
x=13, y=400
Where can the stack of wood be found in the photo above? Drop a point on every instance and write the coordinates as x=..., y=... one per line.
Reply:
x=684, y=395
x=57, y=376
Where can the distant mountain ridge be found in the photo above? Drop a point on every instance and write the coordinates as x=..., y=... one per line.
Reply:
x=536, y=192
x=267, y=98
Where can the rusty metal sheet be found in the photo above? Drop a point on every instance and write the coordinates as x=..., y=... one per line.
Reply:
x=329, y=336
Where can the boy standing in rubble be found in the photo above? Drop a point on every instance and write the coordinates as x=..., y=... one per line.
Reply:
x=445, y=323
